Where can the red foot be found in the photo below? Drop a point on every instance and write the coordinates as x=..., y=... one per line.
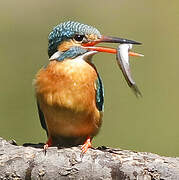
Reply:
x=48, y=144
x=86, y=145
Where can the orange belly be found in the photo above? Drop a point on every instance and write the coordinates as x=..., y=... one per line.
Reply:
x=66, y=93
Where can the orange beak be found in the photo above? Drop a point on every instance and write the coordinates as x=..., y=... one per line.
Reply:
x=108, y=39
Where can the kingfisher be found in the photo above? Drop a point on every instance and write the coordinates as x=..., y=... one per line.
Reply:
x=69, y=90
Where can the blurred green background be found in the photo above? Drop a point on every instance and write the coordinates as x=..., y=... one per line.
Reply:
x=148, y=124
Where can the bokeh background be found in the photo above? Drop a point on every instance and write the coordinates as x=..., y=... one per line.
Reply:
x=147, y=124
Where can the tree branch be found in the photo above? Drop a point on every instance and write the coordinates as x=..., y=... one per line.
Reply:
x=18, y=162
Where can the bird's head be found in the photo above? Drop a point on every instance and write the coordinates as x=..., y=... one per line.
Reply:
x=71, y=39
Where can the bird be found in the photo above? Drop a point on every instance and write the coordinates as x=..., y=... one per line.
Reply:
x=69, y=90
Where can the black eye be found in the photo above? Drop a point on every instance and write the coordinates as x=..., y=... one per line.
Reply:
x=78, y=37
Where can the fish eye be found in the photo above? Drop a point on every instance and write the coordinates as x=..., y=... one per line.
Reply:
x=78, y=38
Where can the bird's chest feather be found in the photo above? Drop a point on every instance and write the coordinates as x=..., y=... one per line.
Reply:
x=67, y=95
x=70, y=83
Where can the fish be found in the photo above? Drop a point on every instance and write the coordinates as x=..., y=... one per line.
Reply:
x=122, y=56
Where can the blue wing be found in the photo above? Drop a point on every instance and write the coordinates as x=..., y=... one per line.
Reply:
x=99, y=94
x=42, y=118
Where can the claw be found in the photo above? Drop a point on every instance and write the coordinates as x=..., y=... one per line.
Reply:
x=86, y=145
x=48, y=144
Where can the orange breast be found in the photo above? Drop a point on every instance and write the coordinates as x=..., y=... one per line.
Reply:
x=67, y=96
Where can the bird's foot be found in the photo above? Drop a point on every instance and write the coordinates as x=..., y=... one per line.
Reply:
x=86, y=145
x=48, y=144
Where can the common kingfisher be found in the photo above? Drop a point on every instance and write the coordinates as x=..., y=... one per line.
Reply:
x=69, y=90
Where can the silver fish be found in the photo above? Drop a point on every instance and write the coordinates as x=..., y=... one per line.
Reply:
x=124, y=64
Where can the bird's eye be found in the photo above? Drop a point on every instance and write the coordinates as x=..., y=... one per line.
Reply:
x=78, y=37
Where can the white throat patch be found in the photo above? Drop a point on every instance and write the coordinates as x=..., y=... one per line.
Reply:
x=56, y=55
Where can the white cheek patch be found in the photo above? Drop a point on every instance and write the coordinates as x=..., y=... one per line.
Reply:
x=56, y=55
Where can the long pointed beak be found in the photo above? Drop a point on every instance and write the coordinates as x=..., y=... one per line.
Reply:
x=108, y=39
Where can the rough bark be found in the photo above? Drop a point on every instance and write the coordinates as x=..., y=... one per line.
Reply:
x=18, y=162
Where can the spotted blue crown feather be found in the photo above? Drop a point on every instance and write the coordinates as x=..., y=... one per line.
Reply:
x=67, y=30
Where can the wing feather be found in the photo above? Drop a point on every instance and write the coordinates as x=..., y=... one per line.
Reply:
x=42, y=118
x=99, y=94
